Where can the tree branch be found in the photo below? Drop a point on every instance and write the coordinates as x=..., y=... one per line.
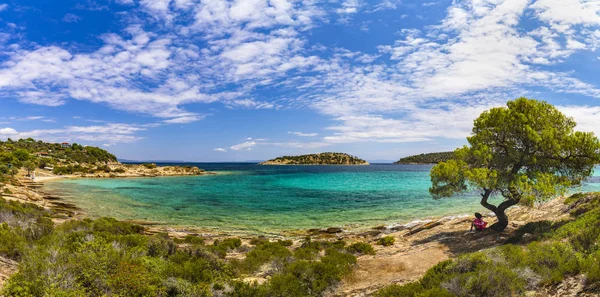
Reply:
x=484, y=199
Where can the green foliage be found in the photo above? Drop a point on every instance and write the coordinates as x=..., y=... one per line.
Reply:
x=149, y=165
x=562, y=249
x=119, y=170
x=264, y=253
x=302, y=278
x=319, y=159
x=361, y=248
x=22, y=153
x=430, y=158
x=526, y=152
x=387, y=241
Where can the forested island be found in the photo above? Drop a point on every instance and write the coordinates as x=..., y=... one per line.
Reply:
x=327, y=158
x=429, y=158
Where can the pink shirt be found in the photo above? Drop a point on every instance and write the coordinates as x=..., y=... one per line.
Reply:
x=479, y=224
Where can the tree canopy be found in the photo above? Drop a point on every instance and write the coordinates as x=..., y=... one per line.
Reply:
x=527, y=151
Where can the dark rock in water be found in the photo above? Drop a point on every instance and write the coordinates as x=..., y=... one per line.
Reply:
x=314, y=230
x=379, y=228
x=333, y=230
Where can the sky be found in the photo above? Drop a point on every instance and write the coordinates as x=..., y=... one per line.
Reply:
x=213, y=80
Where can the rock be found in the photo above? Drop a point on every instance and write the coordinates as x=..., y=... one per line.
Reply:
x=334, y=230
x=398, y=228
x=527, y=237
x=379, y=228
x=424, y=227
x=371, y=233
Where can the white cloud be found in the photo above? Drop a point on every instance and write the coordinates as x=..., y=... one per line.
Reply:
x=71, y=18
x=248, y=145
x=585, y=116
x=219, y=149
x=112, y=133
x=3, y=7
x=184, y=119
x=303, y=134
x=349, y=7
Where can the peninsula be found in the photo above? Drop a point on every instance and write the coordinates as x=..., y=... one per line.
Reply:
x=327, y=158
x=429, y=158
x=48, y=160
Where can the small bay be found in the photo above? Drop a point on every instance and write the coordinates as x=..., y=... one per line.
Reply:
x=249, y=198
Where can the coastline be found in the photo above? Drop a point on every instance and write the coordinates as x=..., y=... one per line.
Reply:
x=419, y=245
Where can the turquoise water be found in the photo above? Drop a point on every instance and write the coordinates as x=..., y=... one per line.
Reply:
x=247, y=198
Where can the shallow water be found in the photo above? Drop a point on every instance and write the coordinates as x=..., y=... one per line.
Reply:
x=249, y=198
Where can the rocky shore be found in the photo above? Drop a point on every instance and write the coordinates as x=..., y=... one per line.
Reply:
x=141, y=170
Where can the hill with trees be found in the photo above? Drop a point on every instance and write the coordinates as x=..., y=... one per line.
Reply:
x=317, y=159
x=31, y=154
x=430, y=158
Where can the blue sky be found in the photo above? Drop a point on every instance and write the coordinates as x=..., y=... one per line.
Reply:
x=211, y=80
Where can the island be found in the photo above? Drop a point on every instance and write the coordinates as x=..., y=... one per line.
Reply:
x=429, y=158
x=327, y=158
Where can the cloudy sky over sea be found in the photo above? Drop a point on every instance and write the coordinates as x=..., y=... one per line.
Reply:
x=212, y=80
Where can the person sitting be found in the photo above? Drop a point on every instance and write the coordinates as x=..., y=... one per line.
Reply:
x=478, y=222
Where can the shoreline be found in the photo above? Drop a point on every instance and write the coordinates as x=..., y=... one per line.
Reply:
x=419, y=244
x=337, y=230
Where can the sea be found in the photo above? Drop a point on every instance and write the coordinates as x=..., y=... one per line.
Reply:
x=247, y=198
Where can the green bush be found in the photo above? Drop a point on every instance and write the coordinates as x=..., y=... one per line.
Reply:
x=119, y=170
x=261, y=254
x=150, y=165
x=12, y=245
x=160, y=245
x=387, y=241
x=553, y=261
x=361, y=248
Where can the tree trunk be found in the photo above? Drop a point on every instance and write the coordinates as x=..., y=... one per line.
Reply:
x=499, y=211
x=502, y=222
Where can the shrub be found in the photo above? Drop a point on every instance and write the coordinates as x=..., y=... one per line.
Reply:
x=119, y=170
x=194, y=240
x=12, y=245
x=285, y=242
x=552, y=261
x=258, y=240
x=270, y=251
x=150, y=165
x=160, y=245
x=387, y=241
x=361, y=248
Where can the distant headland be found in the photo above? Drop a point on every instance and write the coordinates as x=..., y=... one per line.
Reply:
x=317, y=159
x=430, y=158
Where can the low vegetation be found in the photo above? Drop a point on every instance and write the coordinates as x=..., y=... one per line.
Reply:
x=553, y=252
x=430, y=158
x=317, y=159
x=386, y=241
x=106, y=257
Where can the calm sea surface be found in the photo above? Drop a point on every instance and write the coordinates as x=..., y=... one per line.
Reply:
x=249, y=198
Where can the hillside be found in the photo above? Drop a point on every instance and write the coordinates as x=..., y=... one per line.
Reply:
x=317, y=159
x=56, y=153
x=430, y=158
x=31, y=154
